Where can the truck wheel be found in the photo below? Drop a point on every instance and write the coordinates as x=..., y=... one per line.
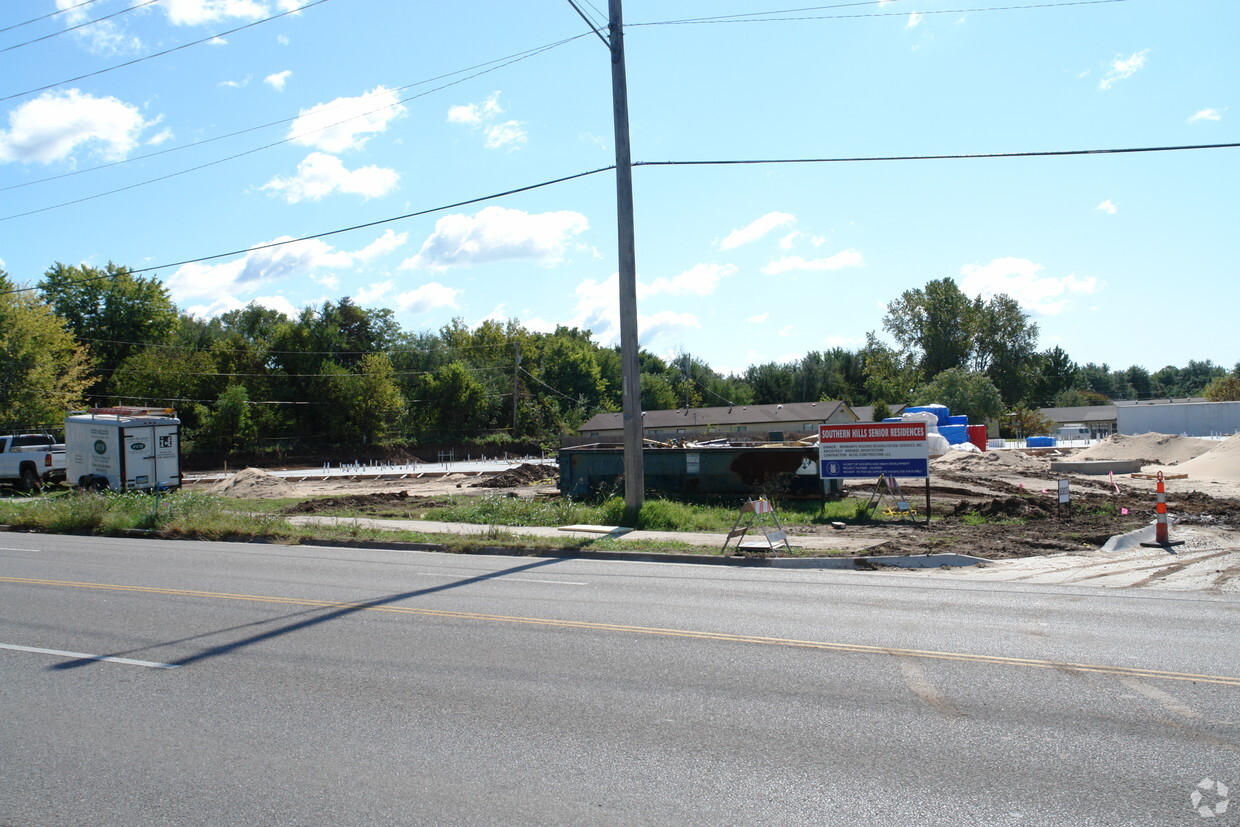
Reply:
x=31, y=482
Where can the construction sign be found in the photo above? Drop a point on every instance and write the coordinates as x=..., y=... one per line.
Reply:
x=873, y=449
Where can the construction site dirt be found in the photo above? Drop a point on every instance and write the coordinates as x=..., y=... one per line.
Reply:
x=996, y=505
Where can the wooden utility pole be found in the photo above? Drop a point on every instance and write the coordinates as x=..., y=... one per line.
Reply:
x=634, y=471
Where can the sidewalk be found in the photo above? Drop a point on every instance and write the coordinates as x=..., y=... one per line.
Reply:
x=701, y=539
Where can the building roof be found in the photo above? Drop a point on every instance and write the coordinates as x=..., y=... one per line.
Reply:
x=793, y=413
x=1081, y=413
x=865, y=413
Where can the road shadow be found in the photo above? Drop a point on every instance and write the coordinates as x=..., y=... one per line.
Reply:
x=320, y=616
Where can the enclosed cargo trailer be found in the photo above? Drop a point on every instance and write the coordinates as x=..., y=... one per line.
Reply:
x=124, y=449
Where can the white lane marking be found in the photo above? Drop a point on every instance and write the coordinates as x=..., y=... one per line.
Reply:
x=84, y=656
x=7, y=548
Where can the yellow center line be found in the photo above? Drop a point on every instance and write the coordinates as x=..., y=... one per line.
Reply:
x=961, y=657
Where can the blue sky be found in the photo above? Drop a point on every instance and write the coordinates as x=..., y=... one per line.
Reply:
x=349, y=112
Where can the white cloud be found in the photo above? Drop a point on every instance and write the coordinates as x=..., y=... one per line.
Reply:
x=320, y=174
x=278, y=80
x=330, y=281
x=498, y=234
x=1108, y=207
x=788, y=241
x=429, y=296
x=761, y=317
x=846, y=258
x=597, y=310
x=756, y=229
x=198, y=12
x=236, y=84
x=54, y=125
x=787, y=330
x=659, y=325
x=483, y=115
x=373, y=293
x=103, y=37
x=163, y=137
x=1206, y=115
x=1122, y=68
x=346, y=123
x=1021, y=279
x=699, y=280
x=245, y=275
x=507, y=134
x=226, y=303
x=914, y=20
x=474, y=114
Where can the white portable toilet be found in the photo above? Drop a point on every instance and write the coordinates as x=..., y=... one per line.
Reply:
x=124, y=449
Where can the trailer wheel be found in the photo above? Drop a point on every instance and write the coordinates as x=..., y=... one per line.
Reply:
x=31, y=481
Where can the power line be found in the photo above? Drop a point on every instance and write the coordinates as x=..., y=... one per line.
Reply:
x=164, y=52
x=68, y=29
x=954, y=157
x=593, y=27
x=752, y=19
x=46, y=16
x=502, y=61
x=328, y=233
x=281, y=142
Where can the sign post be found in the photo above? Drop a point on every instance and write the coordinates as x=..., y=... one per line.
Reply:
x=875, y=449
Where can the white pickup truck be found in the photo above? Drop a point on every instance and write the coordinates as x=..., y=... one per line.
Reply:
x=30, y=460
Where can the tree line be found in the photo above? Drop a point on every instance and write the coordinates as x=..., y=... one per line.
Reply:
x=340, y=375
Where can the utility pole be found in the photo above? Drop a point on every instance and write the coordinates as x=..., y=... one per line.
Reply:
x=631, y=394
x=634, y=470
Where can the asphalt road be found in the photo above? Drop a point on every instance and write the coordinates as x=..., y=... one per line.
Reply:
x=256, y=684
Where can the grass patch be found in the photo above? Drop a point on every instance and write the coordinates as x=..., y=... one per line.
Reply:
x=178, y=514
x=973, y=518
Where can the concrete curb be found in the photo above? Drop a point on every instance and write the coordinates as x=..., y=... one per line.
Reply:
x=1120, y=542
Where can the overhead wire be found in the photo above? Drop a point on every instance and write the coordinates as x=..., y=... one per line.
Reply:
x=752, y=19
x=502, y=62
x=48, y=15
x=83, y=25
x=734, y=162
x=289, y=138
x=154, y=55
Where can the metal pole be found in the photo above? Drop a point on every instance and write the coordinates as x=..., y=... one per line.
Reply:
x=634, y=472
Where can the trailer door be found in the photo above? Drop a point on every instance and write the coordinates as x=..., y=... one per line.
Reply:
x=138, y=453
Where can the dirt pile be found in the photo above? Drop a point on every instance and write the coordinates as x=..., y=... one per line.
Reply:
x=359, y=502
x=1151, y=449
x=524, y=474
x=254, y=483
x=1221, y=462
x=990, y=462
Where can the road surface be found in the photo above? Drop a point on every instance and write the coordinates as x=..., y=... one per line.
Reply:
x=159, y=682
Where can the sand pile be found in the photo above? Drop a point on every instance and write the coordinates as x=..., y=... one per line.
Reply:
x=990, y=462
x=1151, y=449
x=254, y=483
x=1222, y=462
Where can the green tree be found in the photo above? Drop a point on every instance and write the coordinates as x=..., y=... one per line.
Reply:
x=1223, y=389
x=1022, y=422
x=110, y=310
x=658, y=394
x=939, y=328
x=964, y=393
x=455, y=401
x=934, y=324
x=232, y=424
x=43, y=371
